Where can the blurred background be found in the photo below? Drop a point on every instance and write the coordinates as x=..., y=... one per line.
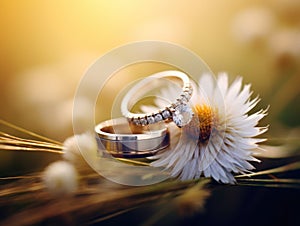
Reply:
x=47, y=46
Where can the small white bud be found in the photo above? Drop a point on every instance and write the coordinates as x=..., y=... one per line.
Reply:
x=60, y=178
x=81, y=150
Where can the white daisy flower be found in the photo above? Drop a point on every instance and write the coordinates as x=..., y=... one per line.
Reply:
x=220, y=139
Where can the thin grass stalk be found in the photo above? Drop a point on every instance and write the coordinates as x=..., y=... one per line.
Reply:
x=28, y=132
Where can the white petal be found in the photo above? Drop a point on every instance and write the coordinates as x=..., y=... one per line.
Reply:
x=234, y=89
x=222, y=83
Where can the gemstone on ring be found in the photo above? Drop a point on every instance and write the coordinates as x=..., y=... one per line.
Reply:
x=143, y=121
x=166, y=114
x=136, y=121
x=150, y=119
x=182, y=115
x=158, y=117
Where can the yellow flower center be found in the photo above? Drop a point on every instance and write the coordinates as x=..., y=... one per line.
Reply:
x=204, y=120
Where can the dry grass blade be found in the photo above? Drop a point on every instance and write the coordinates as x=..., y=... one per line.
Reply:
x=270, y=185
x=112, y=215
x=27, y=143
x=284, y=183
x=28, y=132
x=10, y=139
x=31, y=149
x=134, y=162
x=18, y=177
x=12, y=143
x=281, y=169
x=277, y=180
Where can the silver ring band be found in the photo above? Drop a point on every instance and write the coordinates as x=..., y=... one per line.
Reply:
x=120, y=139
x=172, y=112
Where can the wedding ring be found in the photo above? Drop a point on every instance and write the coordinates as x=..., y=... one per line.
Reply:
x=177, y=111
x=120, y=139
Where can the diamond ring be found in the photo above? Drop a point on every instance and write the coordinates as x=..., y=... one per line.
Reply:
x=177, y=111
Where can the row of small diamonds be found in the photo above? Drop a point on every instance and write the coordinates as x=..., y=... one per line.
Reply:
x=184, y=97
x=186, y=94
x=165, y=114
x=154, y=118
